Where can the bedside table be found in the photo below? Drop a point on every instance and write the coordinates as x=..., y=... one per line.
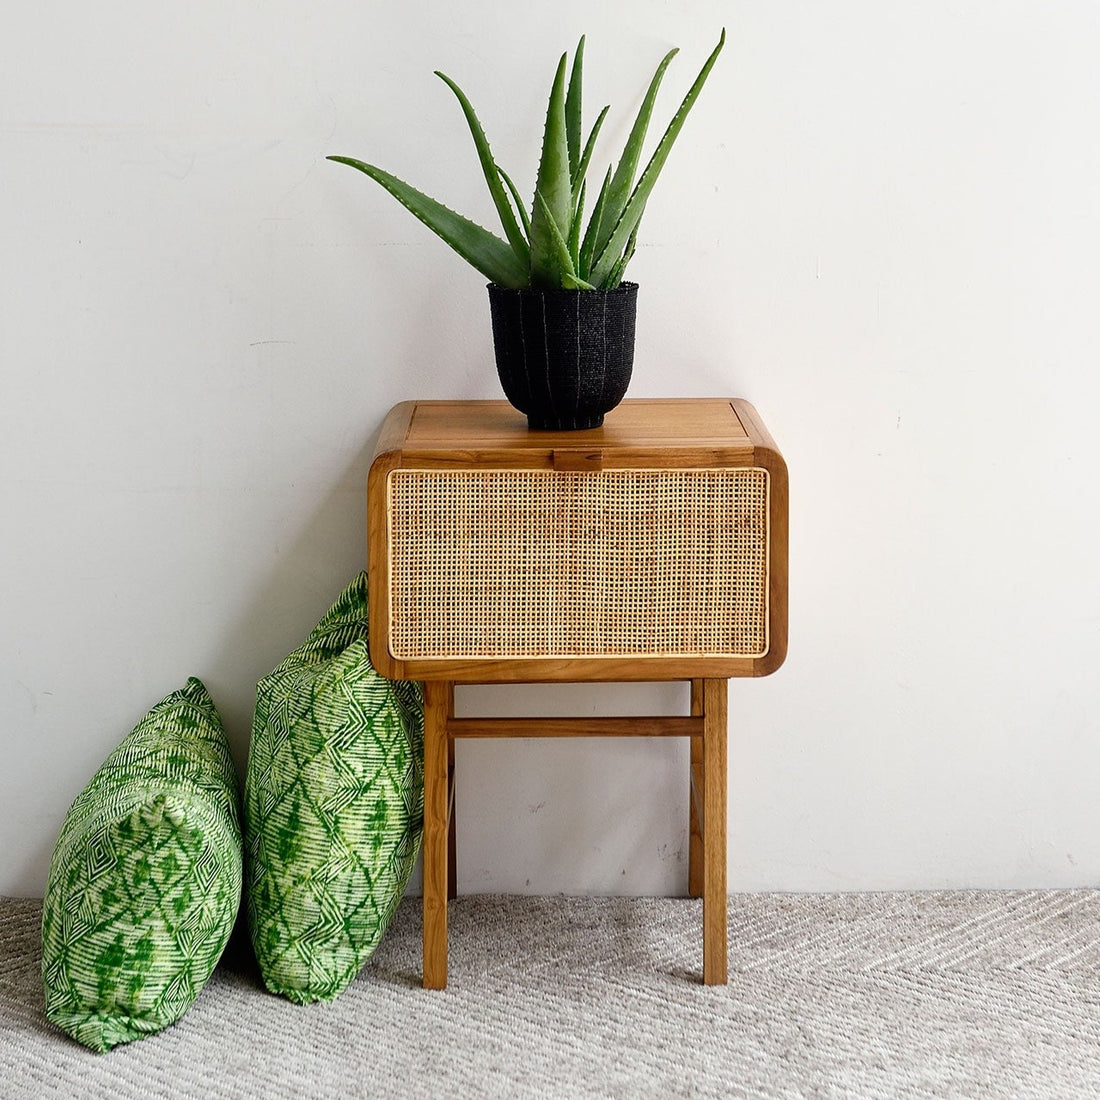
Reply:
x=651, y=548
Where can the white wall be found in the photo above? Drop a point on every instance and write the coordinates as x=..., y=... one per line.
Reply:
x=880, y=225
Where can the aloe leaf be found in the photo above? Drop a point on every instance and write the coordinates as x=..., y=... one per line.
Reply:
x=561, y=246
x=491, y=256
x=575, y=282
x=573, y=109
x=574, y=240
x=619, y=269
x=524, y=219
x=623, y=180
x=582, y=168
x=555, y=187
x=488, y=166
x=632, y=212
x=588, y=245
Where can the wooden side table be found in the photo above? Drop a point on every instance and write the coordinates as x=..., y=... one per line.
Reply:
x=651, y=548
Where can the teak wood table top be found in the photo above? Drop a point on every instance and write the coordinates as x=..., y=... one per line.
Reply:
x=687, y=432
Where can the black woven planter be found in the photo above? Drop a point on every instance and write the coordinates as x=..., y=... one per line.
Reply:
x=564, y=356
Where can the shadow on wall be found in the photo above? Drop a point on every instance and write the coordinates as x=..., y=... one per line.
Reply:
x=311, y=569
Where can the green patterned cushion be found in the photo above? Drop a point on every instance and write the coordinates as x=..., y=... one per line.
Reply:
x=334, y=805
x=145, y=881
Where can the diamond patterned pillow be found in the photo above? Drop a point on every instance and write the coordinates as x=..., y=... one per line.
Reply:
x=334, y=805
x=145, y=880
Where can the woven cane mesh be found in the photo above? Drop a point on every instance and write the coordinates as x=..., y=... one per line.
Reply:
x=532, y=563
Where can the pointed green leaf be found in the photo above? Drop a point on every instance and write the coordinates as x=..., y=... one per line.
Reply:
x=632, y=212
x=524, y=219
x=617, y=272
x=488, y=166
x=476, y=245
x=582, y=168
x=573, y=109
x=554, y=186
x=588, y=245
x=623, y=180
x=561, y=247
x=574, y=241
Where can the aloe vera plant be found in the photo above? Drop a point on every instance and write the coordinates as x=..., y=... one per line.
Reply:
x=553, y=246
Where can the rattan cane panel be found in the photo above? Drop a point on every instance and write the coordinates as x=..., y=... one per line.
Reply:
x=533, y=563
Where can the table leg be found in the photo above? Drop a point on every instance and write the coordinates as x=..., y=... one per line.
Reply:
x=452, y=836
x=695, y=796
x=714, y=832
x=438, y=705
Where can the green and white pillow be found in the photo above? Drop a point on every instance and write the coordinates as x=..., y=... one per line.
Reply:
x=334, y=804
x=145, y=880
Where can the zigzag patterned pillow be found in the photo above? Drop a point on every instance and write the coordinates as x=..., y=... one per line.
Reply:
x=145, y=880
x=334, y=806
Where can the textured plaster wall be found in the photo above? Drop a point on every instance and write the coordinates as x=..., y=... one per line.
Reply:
x=880, y=225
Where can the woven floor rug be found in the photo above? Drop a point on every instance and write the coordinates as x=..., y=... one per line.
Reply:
x=975, y=994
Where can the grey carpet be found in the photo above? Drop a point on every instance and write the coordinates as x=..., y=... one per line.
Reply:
x=975, y=994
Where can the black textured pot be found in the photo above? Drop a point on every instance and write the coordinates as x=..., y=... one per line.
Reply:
x=564, y=356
